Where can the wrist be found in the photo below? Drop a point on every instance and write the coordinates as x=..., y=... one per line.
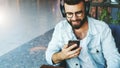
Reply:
x=57, y=57
x=61, y=56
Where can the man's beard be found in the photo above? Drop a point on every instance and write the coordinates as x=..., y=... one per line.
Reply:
x=81, y=22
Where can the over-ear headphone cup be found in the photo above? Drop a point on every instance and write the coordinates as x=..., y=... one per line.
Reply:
x=62, y=10
x=87, y=7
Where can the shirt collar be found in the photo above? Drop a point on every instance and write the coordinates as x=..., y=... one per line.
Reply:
x=92, y=27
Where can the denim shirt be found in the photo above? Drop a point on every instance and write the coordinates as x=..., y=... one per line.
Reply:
x=98, y=47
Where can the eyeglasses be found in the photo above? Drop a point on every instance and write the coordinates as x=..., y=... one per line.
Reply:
x=70, y=14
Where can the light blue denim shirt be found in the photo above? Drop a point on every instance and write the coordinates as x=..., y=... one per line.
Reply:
x=98, y=47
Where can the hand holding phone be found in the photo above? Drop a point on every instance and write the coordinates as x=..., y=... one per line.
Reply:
x=72, y=42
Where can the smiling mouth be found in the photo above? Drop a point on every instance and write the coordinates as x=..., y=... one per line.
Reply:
x=75, y=22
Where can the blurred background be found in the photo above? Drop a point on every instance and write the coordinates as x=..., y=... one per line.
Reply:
x=26, y=27
x=23, y=20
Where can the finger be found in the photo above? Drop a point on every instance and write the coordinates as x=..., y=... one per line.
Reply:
x=75, y=51
x=74, y=55
x=72, y=46
x=78, y=49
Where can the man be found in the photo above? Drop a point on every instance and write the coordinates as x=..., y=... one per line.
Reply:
x=97, y=47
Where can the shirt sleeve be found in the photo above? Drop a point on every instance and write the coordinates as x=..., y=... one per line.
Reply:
x=54, y=45
x=110, y=51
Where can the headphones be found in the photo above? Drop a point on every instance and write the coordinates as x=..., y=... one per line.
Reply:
x=87, y=7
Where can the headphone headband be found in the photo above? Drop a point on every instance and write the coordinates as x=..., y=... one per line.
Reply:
x=87, y=7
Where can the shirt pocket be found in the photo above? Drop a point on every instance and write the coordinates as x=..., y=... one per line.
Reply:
x=96, y=53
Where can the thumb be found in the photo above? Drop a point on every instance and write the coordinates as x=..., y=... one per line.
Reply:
x=65, y=46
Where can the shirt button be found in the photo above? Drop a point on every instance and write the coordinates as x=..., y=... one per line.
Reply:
x=76, y=64
x=97, y=51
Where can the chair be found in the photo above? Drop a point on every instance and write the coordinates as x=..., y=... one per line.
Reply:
x=116, y=34
x=50, y=66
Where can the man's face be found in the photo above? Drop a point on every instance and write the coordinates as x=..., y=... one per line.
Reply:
x=75, y=14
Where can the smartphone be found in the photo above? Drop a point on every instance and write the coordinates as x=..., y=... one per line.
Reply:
x=71, y=42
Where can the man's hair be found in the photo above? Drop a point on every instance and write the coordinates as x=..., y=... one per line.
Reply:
x=73, y=2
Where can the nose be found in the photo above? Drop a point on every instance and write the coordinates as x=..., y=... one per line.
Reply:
x=74, y=17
